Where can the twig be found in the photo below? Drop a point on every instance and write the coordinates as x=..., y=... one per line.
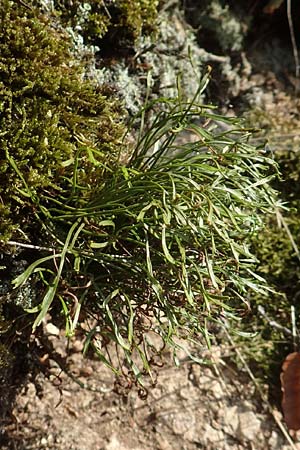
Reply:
x=207, y=56
x=281, y=221
x=294, y=330
x=293, y=38
x=33, y=247
x=168, y=5
x=26, y=5
x=271, y=322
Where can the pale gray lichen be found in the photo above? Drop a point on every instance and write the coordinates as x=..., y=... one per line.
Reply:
x=156, y=63
x=26, y=296
x=223, y=25
x=230, y=30
x=174, y=53
x=128, y=86
x=81, y=50
x=46, y=5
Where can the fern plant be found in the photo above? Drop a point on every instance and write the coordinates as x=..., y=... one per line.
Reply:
x=161, y=242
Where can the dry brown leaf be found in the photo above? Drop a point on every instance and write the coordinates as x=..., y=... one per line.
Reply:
x=290, y=385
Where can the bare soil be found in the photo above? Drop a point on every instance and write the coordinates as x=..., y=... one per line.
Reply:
x=193, y=406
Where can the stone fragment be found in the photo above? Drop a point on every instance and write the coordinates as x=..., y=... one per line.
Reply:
x=230, y=419
x=217, y=389
x=249, y=426
x=275, y=442
x=212, y=436
x=114, y=444
x=77, y=346
x=163, y=443
x=182, y=422
x=52, y=329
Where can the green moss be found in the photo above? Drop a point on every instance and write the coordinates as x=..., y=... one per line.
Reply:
x=5, y=358
x=278, y=260
x=119, y=21
x=280, y=266
x=138, y=15
x=275, y=245
x=51, y=118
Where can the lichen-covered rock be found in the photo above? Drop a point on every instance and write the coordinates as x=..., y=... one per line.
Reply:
x=219, y=24
x=156, y=65
x=120, y=22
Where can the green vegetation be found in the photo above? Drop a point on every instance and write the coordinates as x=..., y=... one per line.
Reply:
x=50, y=118
x=162, y=243
x=121, y=22
x=154, y=235
x=277, y=248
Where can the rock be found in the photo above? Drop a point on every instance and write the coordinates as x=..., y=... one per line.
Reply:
x=275, y=442
x=249, y=426
x=44, y=442
x=189, y=391
x=217, y=389
x=212, y=436
x=164, y=444
x=114, y=444
x=230, y=419
x=182, y=422
x=86, y=371
x=77, y=346
x=52, y=329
